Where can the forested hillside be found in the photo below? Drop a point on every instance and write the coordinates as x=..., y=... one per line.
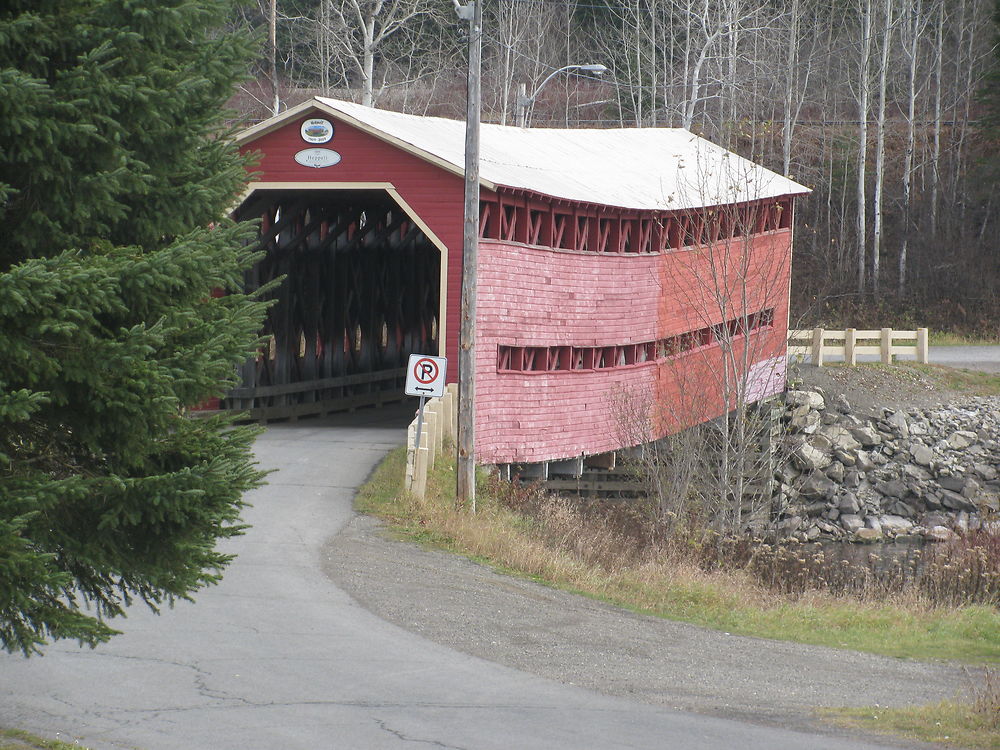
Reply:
x=883, y=107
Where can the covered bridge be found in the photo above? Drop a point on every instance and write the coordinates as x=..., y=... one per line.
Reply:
x=630, y=281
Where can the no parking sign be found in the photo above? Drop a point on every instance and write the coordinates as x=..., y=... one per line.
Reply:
x=425, y=376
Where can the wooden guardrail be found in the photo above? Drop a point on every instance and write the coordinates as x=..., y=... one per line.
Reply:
x=851, y=343
x=317, y=397
x=440, y=422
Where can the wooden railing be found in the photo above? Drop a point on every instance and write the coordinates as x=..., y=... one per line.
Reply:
x=851, y=343
x=440, y=422
x=317, y=397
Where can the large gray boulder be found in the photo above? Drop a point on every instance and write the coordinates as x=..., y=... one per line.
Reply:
x=848, y=503
x=951, y=483
x=818, y=485
x=805, y=398
x=840, y=438
x=894, y=524
x=954, y=501
x=922, y=454
x=899, y=423
x=886, y=473
x=866, y=435
x=894, y=488
x=810, y=459
x=985, y=471
x=852, y=523
x=962, y=439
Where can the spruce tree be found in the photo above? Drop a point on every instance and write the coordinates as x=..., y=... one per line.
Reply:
x=115, y=180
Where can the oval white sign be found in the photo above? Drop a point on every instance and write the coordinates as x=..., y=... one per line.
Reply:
x=317, y=157
x=316, y=131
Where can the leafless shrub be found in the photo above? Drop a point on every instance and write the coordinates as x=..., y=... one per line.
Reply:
x=615, y=534
x=985, y=690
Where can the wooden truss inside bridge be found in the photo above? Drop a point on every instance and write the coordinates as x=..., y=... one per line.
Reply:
x=359, y=293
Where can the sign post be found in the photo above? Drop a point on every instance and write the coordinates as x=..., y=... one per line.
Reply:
x=425, y=376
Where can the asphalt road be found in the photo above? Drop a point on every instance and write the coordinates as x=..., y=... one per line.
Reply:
x=982, y=358
x=279, y=657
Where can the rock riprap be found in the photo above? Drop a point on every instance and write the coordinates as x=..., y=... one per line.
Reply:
x=927, y=472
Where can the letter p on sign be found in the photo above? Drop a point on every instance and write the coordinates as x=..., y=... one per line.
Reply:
x=425, y=375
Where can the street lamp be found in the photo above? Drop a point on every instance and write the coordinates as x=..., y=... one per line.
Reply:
x=525, y=103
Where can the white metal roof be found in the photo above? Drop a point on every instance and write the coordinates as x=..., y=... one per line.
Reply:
x=639, y=168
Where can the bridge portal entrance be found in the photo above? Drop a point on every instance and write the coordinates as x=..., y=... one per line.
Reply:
x=359, y=291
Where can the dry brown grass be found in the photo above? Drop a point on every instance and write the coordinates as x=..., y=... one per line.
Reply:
x=616, y=536
x=986, y=699
x=612, y=552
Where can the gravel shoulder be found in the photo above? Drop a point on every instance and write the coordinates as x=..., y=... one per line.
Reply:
x=572, y=639
x=871, y=388
x=575, y=640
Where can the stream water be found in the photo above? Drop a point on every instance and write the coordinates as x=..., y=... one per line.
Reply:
x=907, y=553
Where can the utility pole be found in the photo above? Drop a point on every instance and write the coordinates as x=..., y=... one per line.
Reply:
x=466, y=482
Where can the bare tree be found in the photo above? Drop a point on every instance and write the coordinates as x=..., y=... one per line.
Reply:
x=884, y=132
x=725, y=273
x=522, y=45
x=888, y=24
x=357, y=31
x=863, y=95
x=913, y=28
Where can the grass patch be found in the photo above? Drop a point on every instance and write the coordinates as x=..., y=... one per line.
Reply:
x=947, y=338
x=947, y=722
x=970, y=381
x=974, y=724
x=557, y=544
x=15, y=739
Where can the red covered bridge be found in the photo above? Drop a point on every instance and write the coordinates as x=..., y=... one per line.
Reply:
x=631, y=281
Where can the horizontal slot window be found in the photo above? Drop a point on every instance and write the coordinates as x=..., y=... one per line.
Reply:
x=585, y=358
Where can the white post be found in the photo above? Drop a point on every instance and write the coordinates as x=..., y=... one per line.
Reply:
x=420, y=474
x=439, y=424
x=447, y=415
x=420, y=423
x=431, y=427
x=817, y=352
x=411, y=456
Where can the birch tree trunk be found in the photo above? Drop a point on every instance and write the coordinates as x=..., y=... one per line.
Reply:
x=368, y=61
x=936, y=150
x=273, y=45
x=887, y=12
x=863, y=97
x=791, y=60
x=915, y=26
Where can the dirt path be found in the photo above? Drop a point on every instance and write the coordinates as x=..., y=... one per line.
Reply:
x=466, y=606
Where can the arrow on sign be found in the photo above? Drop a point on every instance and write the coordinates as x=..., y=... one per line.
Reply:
x=425, y=375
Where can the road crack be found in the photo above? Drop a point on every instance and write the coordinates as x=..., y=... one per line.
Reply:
x=396, y=733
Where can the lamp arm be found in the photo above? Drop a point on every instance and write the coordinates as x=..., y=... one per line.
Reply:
x=549, y=77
